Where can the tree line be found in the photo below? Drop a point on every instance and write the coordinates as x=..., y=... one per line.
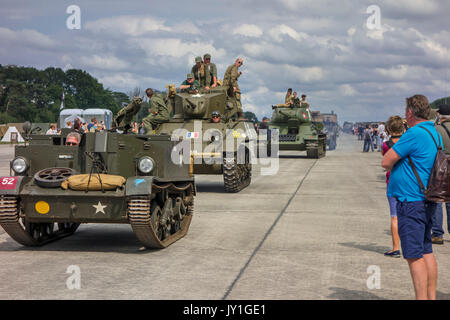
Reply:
x=35, y=95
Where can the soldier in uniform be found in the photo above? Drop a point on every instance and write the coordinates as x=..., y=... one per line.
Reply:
x=210, y=72
x=158, y=112
x=199, y=72
x=190, y=84
x=122, y=120
x=288, y=98
x=230, y=79
x=295, y=100
x=303, y=101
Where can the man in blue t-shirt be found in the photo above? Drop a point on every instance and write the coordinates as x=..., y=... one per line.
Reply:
x=413, y=211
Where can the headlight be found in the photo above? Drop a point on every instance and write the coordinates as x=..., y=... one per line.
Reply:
x=19, y=165
x=145, y=164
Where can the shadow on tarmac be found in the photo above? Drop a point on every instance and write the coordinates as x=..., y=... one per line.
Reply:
x=89, y=238
x=212, y=187
x=345, y=294
x=366, y=247
x=442, y=296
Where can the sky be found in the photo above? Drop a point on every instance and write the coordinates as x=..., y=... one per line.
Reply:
x=342, y=54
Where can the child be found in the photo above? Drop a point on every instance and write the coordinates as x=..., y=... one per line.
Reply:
x=395, y=129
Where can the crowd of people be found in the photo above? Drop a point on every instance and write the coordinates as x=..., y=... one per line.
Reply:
x=409, y=151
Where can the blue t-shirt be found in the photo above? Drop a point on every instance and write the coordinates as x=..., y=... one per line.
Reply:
x=418, y=144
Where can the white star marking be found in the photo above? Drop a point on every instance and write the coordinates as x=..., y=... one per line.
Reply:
x=99, y=208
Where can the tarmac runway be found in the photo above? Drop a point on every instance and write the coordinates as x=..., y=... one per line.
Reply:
x=315, y=230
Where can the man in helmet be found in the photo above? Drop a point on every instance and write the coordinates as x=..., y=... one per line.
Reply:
x=215, y=117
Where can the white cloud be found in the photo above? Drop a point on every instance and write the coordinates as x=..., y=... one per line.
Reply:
x=107, y=62
x=280, y=30
x=26, y=38
x=419, y=7
x=347, y=90
x=351, y=31
x=128, y=25
x=248, y=30
x=178, y=48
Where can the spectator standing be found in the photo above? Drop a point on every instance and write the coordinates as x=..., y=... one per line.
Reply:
x=413, y=211
x=360, y=132
x=367, y=139
x=92, y=124
x=382, y=136
x=443, y=127
x=375, y=137
x=69, y=124
x=395, y=128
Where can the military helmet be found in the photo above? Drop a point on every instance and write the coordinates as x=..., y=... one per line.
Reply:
x=198, y=59
x=207, y=56
x=215, y=114
x=190, y=75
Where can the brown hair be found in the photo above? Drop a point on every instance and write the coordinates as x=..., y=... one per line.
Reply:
x=149, y=92
x=394, y=125
x=419, y=106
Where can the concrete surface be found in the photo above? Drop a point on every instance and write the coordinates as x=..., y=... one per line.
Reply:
x=310, y=232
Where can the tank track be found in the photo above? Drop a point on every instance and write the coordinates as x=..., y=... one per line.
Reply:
x=236, y=176
x=29, y=234
x=155, y=231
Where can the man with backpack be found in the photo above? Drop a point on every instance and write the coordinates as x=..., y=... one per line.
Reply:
x=443, y=127
x=410, y=159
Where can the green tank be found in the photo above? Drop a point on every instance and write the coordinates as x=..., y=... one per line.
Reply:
x=296, y=130
x=155, y=195
x=208, y=150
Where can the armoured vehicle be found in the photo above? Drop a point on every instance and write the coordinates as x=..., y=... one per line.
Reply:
x=221, y=148
x=331, y=128
x=59, y=181
x=297, y=130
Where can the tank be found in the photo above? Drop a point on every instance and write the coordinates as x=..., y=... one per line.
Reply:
x=331, y=127
x=43, y=199
x=297, y=131
x=208, y=150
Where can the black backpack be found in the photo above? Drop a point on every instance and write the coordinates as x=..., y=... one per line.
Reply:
x=439, y=183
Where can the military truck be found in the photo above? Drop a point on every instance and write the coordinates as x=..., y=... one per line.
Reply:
x=297, y=130
x=331, y=127
x=59, y=181
x=221, y=148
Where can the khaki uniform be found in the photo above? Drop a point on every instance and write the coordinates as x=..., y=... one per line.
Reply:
x=210, y=73
x=444, y=134
x=200, y=74
x=125, y=115
x=153, y=120
x=230, y=79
